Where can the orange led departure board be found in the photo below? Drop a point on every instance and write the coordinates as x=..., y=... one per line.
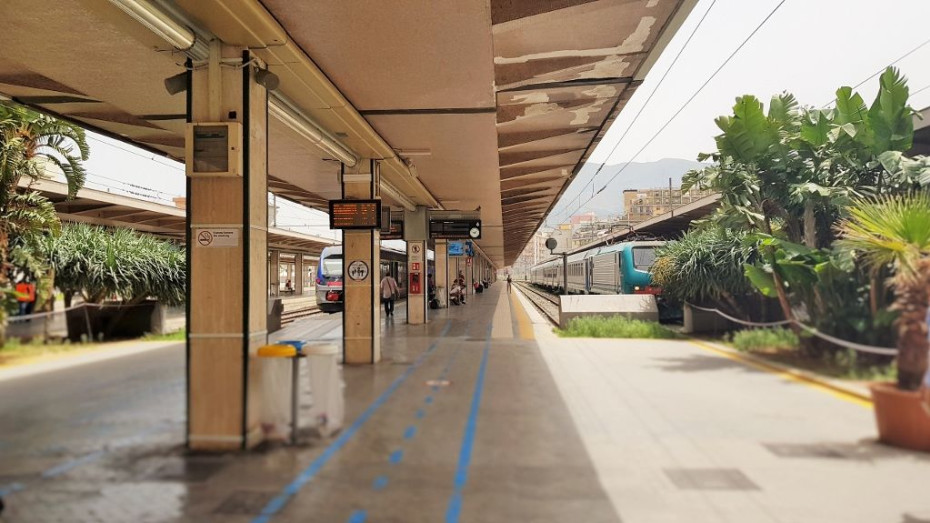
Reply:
x=355, y=214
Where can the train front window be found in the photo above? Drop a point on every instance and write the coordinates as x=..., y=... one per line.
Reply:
x=644, y=257
x=332, y=266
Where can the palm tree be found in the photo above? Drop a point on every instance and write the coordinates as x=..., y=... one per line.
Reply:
x=894, y=231
x=30, y=143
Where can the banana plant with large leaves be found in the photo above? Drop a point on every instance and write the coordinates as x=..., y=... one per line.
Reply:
x=792, y=172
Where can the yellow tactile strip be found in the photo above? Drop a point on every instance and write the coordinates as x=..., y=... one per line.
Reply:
x=790, y=374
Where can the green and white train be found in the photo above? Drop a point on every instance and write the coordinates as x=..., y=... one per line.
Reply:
x=622, y=268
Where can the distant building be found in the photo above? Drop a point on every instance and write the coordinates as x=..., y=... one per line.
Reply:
x=534, y=253
x=642, y=204
x=579, y=219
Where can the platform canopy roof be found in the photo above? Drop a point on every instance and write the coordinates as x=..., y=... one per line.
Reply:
x=921, y=133
x=104, y=208
x=496, y=104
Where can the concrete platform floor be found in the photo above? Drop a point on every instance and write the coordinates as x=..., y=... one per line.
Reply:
x=483, y=415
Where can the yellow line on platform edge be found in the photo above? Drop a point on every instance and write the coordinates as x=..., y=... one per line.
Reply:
x=804, y=380
x=524, y=325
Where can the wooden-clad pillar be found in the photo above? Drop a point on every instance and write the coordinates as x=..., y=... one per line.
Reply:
x=416, y=232
x=470, y=273
x=274, y=271
x=228, y=254
x=441, y=252
x=361, y=249
x=299, y=274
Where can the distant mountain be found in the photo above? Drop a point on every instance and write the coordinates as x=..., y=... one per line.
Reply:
x=646, y=175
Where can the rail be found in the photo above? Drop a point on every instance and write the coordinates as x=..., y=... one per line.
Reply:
x=544, y=302
x=871, y=349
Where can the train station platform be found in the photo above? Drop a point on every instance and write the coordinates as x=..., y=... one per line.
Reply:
x=481, y=415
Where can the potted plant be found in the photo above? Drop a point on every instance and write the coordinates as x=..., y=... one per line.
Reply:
x=894, y=231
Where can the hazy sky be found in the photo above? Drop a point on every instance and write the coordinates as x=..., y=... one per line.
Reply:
x=808, y=47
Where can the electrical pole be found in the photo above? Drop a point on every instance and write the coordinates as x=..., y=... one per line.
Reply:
x=671, y=204
x=565, y=273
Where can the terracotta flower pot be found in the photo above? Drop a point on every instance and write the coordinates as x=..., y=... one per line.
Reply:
x=902, y=420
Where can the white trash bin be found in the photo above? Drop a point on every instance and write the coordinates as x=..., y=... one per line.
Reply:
x=276, y=400
x=327, y=404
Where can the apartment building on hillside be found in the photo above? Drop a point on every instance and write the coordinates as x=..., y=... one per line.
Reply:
x=643, y=204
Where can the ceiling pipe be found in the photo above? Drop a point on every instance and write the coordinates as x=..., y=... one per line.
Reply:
x=166, y=25
x=292, y=117
x=172, y=25
x=167, y=22
x=396, y=195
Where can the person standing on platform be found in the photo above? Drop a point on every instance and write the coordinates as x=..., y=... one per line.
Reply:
x=509, y=283
x=26, y=296
x=388, y=293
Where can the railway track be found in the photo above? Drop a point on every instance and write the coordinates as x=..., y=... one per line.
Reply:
x=546, y=303
x=296, y=314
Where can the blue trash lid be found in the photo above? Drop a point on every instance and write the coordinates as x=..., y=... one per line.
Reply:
x=297, y=344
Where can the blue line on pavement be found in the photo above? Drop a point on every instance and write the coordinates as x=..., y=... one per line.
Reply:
x=11, y=488
x=429, y=399
x=58, y=470
x=461, y=474
x=396, y=456
x=358, y=516
x=380, y=483
x=290, y=490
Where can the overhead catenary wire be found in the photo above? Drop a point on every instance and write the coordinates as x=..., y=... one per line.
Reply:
x=648, y=99
x=687, y=102
x=151, y=157
x=882, y=70
x=922, y=89
x=667, y=123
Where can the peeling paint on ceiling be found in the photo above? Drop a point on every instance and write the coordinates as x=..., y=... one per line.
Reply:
x=553, y=85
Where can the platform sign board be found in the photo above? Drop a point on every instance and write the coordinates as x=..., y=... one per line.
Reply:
x=456, y=249
x=455, y=229
x=218, y=237
x=385, y=220
x=396, y=232
x=355, y=214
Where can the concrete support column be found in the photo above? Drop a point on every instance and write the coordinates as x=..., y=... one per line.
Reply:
x=274, y=273
x=361, y=321
x=299, y=274
x=416, y=282
x=416, y=232
x=228, y=253
x=470, y=273
x=441, y=252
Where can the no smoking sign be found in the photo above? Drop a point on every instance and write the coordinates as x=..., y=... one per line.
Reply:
x=217, y=237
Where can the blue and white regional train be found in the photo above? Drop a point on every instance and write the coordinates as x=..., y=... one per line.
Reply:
x=330, y=270
x=622, y=268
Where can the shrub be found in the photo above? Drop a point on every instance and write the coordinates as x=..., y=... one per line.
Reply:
x=614, y=327
x=705, y=267
x=762, y=339
x=178, y=335
x=100, y=263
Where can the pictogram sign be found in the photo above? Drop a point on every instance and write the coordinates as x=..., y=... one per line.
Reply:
x=358, y=270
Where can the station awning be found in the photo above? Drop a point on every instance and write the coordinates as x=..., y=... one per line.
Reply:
x=467, y=103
